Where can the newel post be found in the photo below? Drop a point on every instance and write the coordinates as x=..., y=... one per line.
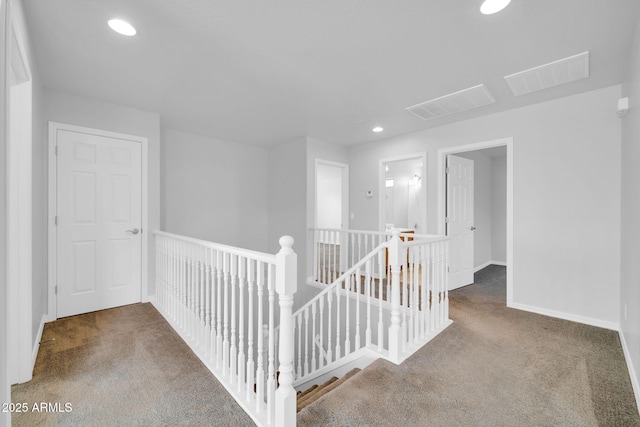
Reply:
x=286, y=287
x=396, y=255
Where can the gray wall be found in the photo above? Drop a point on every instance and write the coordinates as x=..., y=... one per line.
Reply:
x=566, y=156
x=214, y=190
x=630, y=226
x=288, y=205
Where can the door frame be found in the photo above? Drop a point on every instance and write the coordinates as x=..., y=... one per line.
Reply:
x=381, y=186
x=19, y=211
x=54, y=127
x=442, y=157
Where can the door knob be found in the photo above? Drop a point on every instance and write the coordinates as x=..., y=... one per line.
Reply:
x=133, y=231
x=472, y=228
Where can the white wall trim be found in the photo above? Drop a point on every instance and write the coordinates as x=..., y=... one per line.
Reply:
x=36, y=342
x=381, y=184
x=442, y=155
x=488, y=263
x=614, y=326
x=632, y=372
x=146, y=233
x=19, y=199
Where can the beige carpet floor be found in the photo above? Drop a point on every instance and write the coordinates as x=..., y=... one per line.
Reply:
x=494, y=366
x=123, y=367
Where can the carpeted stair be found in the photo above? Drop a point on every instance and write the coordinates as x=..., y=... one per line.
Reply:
x=309, y=396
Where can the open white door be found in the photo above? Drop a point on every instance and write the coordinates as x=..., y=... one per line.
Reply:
x=99, y=217
x=459, y=220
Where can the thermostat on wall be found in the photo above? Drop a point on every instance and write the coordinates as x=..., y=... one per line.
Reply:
x=369, y=194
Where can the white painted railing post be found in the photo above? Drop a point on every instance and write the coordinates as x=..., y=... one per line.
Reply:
x=286, y=287
x=395, y=331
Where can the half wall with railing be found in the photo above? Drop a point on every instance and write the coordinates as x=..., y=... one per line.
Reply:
x=225, y=302
x=233, y=307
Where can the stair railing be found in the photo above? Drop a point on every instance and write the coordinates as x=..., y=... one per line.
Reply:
x=389, y=303
x=219, y=298
x=336, y=250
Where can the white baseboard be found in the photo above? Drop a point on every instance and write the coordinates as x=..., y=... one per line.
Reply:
x=614, y=326
x=635, y=382
x=36, y=343
x=488, y=263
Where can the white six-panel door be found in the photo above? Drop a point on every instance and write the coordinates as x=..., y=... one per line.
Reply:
x=99, y=214
x=460, y=220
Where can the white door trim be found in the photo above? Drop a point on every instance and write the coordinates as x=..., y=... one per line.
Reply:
x=442, y=154
x=53, y=130
x=381, y=184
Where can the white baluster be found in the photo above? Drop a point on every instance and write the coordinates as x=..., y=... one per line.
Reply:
x=260, y=369
x=212, y=304
x=203, y=301
x=271, y=373
x=423, y=290
x=219, y=286
x=306, y=341
x=242, y=269
x=299, y=370
x=381, y=273
x=321, y=320
x=348, y=284
x=368, y=282
x=225, y=331
x=251, y=271
x=233, y=347
x=358, y=286
x=329, y=329
x=410, y=286
x=314, y=365
x=446, y=280
x=338, y=349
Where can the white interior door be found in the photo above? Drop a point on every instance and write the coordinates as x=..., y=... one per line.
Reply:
x=460, y=220
x=99, y=214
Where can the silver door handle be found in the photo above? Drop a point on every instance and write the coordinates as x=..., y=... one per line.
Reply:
x=133, y=231
x=472, y=228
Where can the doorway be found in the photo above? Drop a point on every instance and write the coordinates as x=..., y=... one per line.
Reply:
x=98, y=235
x=488, y=157
x=331, y=211
x=403, y=195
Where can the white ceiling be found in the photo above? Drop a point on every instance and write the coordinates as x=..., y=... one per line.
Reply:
x=266, y=72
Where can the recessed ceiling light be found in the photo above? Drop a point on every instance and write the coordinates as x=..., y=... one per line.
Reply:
x=377, y=129
x=489, y=7
x=122, y=27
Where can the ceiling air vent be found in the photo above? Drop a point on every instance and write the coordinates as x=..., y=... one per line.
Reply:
x=468, y=99
x=549, y=75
